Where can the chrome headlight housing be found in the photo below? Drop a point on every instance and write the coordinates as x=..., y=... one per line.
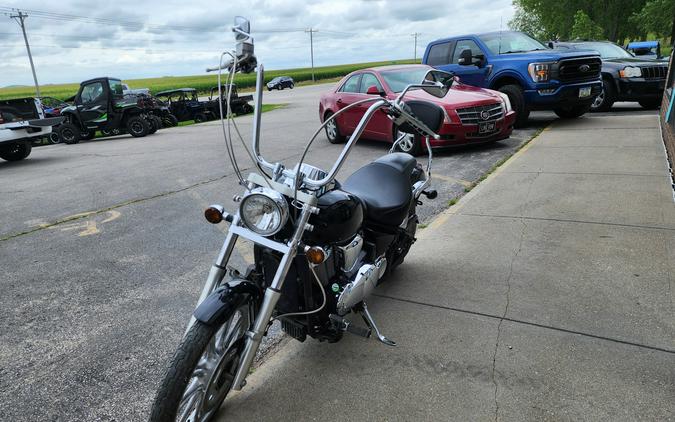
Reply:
x=507, y=102
x=264, y=211
x=630, y=72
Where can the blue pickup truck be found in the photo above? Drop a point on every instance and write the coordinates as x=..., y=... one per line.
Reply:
x=534, y=77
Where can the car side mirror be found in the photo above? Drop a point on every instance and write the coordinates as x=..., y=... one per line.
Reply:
x=374, y=90
x=465, y=58
x=550, y=45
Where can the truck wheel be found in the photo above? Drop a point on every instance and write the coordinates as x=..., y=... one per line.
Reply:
x=16, y=152
x=605, y=100
x=572, y=112
x=54, y=137
x=517, y=100
x=651, y=104
x=200, y=117
x=69, y=133
x=170, y=120
x=137, y=126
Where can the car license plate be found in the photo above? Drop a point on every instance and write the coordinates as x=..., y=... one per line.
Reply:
x=585, y=92
x=486, y=127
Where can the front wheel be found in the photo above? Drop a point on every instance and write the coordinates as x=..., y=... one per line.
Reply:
x=410, y=143
x=605, y=99
x=517, y=100
x=138, y=126
x=333, y=130
x=572, y=112
x=69, y=133
x=202, y=370
x=16, y=152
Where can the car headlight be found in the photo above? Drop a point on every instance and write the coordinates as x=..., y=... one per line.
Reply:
x=630, y=72
x=264, y=211
x=539, y=72
x=507, y=102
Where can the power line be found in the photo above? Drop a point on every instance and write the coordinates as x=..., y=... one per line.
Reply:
x=415, y=35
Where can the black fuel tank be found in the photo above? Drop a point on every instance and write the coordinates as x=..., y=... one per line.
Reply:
x=339, y=220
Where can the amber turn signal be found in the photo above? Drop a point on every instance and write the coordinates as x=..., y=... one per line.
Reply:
x=315, y=254
x=214, y=214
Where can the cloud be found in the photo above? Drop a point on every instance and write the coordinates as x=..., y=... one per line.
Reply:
x=155, y=38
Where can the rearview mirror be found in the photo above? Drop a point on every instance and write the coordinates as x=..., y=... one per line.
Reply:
x=241, y=28
x=437, y=82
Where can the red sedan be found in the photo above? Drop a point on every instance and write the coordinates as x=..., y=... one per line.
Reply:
x=473, y=115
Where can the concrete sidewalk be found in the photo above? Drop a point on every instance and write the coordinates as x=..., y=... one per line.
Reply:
x=545, y=294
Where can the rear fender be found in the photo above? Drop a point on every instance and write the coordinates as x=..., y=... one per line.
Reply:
x=217, y=307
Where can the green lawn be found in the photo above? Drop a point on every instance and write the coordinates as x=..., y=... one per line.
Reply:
x=203, y=83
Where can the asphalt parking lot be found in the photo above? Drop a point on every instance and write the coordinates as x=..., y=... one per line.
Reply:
x=104, y=251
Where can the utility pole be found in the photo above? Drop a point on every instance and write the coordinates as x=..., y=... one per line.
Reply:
x=311, y=47
x=20, y=20
x=415, y=35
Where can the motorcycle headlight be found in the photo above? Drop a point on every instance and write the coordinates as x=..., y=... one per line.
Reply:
x=507, y=102
x=630, y=72
x=264, y=211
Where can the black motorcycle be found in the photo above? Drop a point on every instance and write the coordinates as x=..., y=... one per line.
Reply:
x=320, y=247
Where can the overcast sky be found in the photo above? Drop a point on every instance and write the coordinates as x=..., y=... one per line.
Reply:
x=171, y=38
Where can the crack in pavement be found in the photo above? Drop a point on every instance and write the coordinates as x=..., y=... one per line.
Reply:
x=508, y=300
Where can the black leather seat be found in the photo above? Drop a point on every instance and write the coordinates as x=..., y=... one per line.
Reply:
x=384, y=187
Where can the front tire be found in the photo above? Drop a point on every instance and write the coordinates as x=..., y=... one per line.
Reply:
x=572, y=112
x=517, y=100
x=333, y=130
x=410, y=144
x=69, y=133
x=137, y=126
x=605, y=100
x=202, y=370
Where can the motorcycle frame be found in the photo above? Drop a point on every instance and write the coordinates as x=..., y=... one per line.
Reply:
x=290, y=249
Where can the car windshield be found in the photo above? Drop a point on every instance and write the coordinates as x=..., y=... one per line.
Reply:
x=399, y=79
x=277, y=79
x=510, y=42
x=606, y=50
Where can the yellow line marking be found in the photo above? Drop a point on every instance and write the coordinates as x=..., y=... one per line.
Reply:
x=87, y=227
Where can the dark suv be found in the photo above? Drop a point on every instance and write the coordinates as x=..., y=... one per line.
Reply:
x=624, y=76
x=280, y=82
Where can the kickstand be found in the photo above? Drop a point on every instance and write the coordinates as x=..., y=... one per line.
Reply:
x=368, y=319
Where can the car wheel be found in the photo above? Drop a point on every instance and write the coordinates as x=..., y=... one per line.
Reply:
x=410, y=144
x=199, y=118
x=333, y=130
x=651, y=104
x=16, y=152
x=69, y=133
x=572, y=112
x=137, y=126
x=292, y=86
x=605, y=100
x=517, y=100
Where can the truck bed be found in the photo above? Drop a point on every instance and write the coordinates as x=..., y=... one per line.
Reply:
x=19, y=109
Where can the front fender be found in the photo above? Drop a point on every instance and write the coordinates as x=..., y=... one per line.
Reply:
x=217, y=307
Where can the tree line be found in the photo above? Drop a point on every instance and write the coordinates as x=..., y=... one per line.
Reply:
x=614, y=20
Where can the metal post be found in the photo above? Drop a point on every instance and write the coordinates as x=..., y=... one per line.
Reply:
x=415, y=35
x=311, y=47
x=20, y=19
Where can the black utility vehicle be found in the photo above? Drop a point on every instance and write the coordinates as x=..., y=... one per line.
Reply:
x=238, y=103
x=185, y=105
x=624, y=76
x=100, y=105
x=280, y=82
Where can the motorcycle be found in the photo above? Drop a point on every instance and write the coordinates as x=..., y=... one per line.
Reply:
x=320, y=246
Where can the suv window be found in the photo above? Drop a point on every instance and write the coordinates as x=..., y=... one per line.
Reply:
x=369, y=80
x=117, y=87
x=352, y=84
x=465, y=45
x=438, y=54
x=92, y=92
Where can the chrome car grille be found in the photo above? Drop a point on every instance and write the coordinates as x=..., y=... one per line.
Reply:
x=474, y=115
x=654, y=72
